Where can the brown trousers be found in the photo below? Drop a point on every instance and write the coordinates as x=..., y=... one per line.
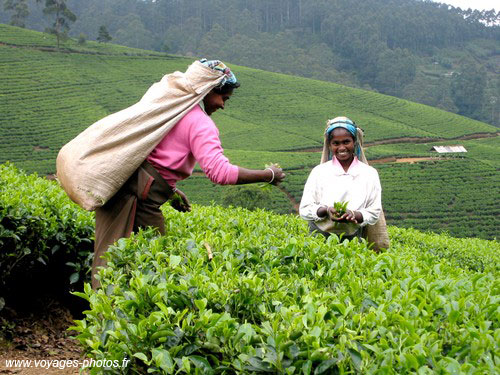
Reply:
x=136, y=205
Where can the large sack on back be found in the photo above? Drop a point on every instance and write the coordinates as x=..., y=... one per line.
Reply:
x=93, y=166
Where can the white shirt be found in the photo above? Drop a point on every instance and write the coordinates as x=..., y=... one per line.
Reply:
x=329, y=183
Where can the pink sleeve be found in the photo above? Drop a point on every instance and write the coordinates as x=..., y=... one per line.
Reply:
x=207, y=150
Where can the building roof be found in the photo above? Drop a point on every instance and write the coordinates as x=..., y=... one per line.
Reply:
x=445, y=149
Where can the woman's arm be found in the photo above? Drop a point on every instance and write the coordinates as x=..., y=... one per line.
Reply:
x=272, y=175
x=207, y=150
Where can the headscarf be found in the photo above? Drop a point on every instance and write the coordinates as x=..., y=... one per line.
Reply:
x=350, y=126
x=341, y=122
x=229, y=77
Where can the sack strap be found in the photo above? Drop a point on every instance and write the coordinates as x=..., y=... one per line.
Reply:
x=159, y=180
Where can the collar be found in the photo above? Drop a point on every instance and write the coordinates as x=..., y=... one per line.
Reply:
x=354, y=168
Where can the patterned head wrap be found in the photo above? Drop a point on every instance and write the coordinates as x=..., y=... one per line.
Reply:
x=341, y=122
x=347, y=124
x=229, y=77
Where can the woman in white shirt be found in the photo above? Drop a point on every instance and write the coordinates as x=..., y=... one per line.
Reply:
x=342, y=179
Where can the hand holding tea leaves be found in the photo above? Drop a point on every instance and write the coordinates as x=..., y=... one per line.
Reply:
x=339, y=212
x=277, y=176
x=180, y=202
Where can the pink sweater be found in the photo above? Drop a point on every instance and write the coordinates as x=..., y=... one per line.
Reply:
x=195, y=138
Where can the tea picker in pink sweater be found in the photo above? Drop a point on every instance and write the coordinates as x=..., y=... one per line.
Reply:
x=195, y=138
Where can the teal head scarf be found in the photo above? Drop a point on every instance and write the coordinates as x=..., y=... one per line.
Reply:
x=344, y=123
x=341, y=122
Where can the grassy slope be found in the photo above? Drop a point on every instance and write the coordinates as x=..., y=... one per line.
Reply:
x=48, y=97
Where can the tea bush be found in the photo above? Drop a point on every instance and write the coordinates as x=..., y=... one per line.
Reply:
x=43, y=235
x=275, y=300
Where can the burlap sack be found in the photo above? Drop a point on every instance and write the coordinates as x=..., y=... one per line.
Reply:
x=376, y=233
x=93, y=166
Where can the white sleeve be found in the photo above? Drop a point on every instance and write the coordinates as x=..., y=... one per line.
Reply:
x=309, y=203
x=371, y=212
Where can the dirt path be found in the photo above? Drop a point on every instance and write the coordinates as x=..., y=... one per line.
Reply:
x=42, y=336
x=294, y=203
x=404, y=160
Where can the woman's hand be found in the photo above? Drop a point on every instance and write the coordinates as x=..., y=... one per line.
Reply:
x=182, y=204
x=279, y=175
x=349, y=215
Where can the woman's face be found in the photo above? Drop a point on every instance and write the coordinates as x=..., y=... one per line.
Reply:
x=214, y=101
x=342, y=145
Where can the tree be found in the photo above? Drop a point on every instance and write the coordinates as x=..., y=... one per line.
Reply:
x=468, y=88
x=63, y=17
x=134, y=33
x=213, y=41
x=103, y=36
x=82, y=39
x=20, y=9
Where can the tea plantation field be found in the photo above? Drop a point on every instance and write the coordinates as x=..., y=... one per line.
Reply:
x=274, y=300
x=49, y=96
x=270, y=299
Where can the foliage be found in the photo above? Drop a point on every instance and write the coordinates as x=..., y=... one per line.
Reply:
x=82, y=39
x=340, y=208
x=42, y=234
x=472, y=253
x=20, y=11
x=456, y=196
x=201, y=190
x=274, y=300
x=467, y=89
x=270, y=118
x=96, y=85
x=103, y=35
x=390, y=46
x=249, y=197
x=62, y=18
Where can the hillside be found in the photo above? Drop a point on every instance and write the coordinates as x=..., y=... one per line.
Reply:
x=422, y=51
x=49, y=96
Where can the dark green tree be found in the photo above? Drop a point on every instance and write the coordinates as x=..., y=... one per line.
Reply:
x=82, y=39
x=468, y=88
x=19, y=9
x=134, y=33
x=62, y=18
x=103, y=35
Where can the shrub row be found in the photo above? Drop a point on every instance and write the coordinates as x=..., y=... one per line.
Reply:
x=44, y=237
x=275, y=300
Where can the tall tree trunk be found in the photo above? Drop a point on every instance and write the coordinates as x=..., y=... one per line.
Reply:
x=57, y=26
x=300, y=12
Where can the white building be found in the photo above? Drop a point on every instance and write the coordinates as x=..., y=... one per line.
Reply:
x=448, y=149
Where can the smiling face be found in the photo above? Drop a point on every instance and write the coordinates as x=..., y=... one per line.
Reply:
x=214, y=101
x=342, y=145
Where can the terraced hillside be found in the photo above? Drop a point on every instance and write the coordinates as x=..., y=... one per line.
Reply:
x=49, y=96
